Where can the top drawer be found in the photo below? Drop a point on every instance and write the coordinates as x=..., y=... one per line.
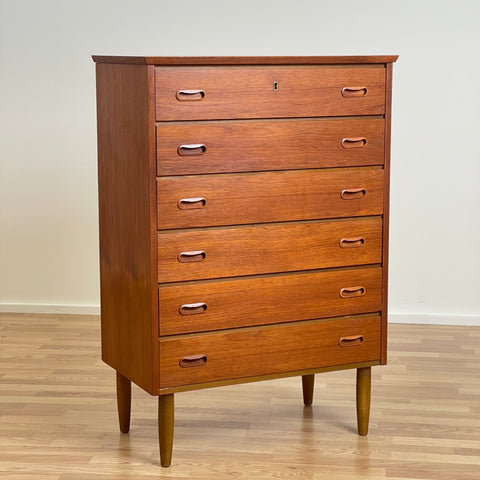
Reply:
x=205, y=93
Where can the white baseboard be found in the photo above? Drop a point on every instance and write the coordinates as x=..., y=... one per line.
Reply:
x=45, y=308
x=434, y=319
x=420, y=318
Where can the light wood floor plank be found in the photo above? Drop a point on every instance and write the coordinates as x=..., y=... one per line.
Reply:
x=58, y=417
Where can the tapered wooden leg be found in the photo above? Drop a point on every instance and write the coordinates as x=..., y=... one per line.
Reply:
x=124, y=402
x=165, y=428
x=363, y=399
x=308, y=382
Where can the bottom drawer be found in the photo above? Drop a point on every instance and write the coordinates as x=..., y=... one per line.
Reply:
x=193, y=359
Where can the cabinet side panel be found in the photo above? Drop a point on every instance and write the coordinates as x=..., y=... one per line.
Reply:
x=386, y=210
x=126, y=182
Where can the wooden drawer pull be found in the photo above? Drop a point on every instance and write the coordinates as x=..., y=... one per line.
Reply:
x=189, y=203
x=194, y=256
x=353, y=193
x=192, y=308
x=352, y=292
x=193, y=361
x=354, y=91
x=193, y=149
x=351, y=242
x=189, y=95
x=354, y=142
x=352, y=341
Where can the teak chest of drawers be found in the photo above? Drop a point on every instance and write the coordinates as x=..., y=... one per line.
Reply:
x=243, y=222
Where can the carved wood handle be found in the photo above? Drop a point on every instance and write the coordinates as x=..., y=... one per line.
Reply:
x=193, y=361
x=192, y=308
x=354, y=91
x=191, y=149
x=193, y=256
x=189, y=203
x=353, y=193
x=352, y=341
x=190, y=95
x=351, y=242
x=354, y=142
x=351, y=292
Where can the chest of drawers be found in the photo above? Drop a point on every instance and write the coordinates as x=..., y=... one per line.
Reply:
x=243, y=209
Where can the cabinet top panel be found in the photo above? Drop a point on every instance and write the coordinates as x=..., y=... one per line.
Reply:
x=324, y=60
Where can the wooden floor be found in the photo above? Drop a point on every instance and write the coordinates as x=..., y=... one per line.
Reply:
x=58, y=417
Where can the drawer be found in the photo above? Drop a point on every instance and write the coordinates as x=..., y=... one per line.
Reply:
x=215, y=147
x=216, y=305
x=233, y=199
x=206, y=93
x=267, y=350
x=228, y=252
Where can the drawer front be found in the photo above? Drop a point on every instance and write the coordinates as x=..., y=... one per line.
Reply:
x=204, y=306
x=228, y=252
x=190, y=148
x=268, y=197
x=206, y=93
x=268, y=350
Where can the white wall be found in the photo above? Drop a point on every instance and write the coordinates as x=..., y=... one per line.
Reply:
x=48, y=195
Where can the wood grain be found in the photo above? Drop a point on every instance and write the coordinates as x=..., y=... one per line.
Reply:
x=268, y=197
x=58, y=416
x=267, y=299
x=266, y=249
x=166, y=416
x=264, y=378
x=386, y=206
x=289, y=60
x=308, y=383
x=244, y=226
x=267, y=350
x=233, y=146
x=363, y=394
x=127, y=219
x=248, y=92
x=124, y=402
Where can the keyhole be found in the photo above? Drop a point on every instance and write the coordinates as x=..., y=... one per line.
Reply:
x=275, y=86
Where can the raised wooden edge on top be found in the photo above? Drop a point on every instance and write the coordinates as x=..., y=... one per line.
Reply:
x=349, y=59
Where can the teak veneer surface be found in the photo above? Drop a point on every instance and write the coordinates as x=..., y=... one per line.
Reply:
x=268, y=197
x=249, y=60
x=256, y=145
x=265, y=249
x=126, y=160
x=266, y=350
x=231, y=93
x=280, y=298
x=386, y=215
x=243, y=222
